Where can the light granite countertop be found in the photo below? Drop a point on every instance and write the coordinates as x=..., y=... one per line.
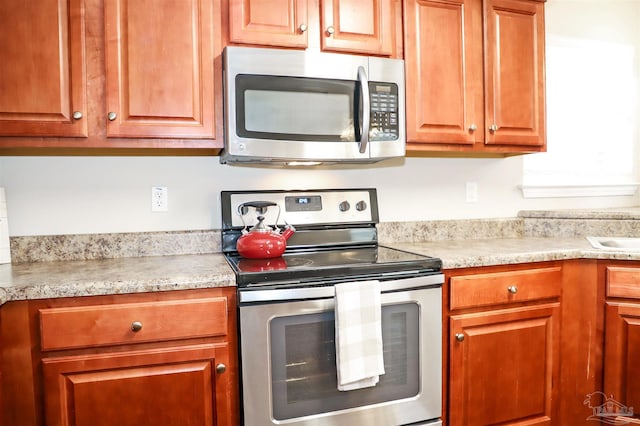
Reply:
x=505, y=251
x=100, y=264
x=40, y=280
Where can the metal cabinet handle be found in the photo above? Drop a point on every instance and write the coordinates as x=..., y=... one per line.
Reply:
x=221, y=368
x=330, y=30
x=459, y=337
x=473, y=128
x=512, y=289
x=136, y=326
x=112, y=116
x=302, y=28
x=493, y=128
x=366, y=110
x=77, y=115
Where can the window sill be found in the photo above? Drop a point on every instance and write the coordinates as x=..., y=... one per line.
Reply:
x=604, y=190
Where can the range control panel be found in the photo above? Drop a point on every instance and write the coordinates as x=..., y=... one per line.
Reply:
x=304, y=207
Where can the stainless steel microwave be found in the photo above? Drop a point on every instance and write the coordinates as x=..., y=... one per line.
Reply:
x=288, y=106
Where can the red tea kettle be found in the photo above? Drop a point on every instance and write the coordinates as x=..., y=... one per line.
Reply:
x=262, y=241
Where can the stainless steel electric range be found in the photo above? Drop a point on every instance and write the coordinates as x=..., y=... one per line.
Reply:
x=286, y=312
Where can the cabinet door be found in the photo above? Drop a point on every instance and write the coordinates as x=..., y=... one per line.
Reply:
x=504, y=365
x=169, y=387
x=362, y=26
x=443, y=66
x=160, y=67
x=622, y=352
x=42, y=74
x=268, y=22
x=515, y=82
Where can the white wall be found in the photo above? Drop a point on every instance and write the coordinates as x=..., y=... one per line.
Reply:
x=75, y=195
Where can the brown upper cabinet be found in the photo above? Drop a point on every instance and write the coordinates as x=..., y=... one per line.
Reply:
x=111, y=74
x=475, y=75
x=355, y=26
x=42, y=68
x=159, y=68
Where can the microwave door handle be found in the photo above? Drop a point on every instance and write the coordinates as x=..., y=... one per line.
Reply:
x=366, y=109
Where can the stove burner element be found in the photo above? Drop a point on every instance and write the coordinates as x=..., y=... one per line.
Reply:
x=262, y=265
x=298, y=262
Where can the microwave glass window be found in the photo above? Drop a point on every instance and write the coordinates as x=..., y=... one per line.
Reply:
x=296, y=108
x=295, y=113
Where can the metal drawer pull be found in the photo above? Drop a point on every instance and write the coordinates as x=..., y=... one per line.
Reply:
x=512, y=289
x=221, y=368
x=459, y=337
x=136, y=326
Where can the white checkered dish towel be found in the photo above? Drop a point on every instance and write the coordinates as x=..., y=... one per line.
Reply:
x=359, y=357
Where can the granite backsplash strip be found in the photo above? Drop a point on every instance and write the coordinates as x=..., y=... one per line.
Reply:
x=549, y=227
x=536, y=224
x=112, y=246
x=441, y=230
x=611, y=222
x=617, y=213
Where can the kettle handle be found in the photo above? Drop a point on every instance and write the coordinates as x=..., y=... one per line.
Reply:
x=261, y=206
x=261, y=209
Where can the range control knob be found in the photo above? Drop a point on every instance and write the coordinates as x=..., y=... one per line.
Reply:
x=344, y=206
x=361, y=205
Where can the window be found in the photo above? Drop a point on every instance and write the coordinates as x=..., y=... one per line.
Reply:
x=593, y=123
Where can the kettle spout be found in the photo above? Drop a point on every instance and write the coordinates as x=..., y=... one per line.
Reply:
x=289, y=230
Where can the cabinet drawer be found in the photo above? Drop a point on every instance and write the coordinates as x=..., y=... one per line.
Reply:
x=102, y=325
x=505, y=287
x=623, y=282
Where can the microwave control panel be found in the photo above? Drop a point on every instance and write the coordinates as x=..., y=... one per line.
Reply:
x=384, y=111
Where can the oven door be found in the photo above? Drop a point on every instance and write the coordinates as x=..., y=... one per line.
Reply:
x=289, y=362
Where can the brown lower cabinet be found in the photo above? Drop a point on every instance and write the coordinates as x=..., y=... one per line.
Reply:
x=552, y=343
x=155, y=358
x=504, y=346
x=622, y=340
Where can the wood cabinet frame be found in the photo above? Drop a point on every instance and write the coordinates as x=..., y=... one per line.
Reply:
x=202, y=134
x=477, y=69
x=33, y=379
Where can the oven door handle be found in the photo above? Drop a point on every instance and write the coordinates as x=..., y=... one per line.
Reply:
x=366, y=109
x=328, y=291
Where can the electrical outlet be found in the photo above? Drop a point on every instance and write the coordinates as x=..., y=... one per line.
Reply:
x=472, y=192
x=159, y=199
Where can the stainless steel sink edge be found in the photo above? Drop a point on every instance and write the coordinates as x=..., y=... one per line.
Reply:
x=626, y=244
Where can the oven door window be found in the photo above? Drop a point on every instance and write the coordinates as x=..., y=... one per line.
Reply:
x=304, y=379
x=296, y=108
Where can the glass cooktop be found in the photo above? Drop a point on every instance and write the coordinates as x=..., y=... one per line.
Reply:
x=337, y=264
